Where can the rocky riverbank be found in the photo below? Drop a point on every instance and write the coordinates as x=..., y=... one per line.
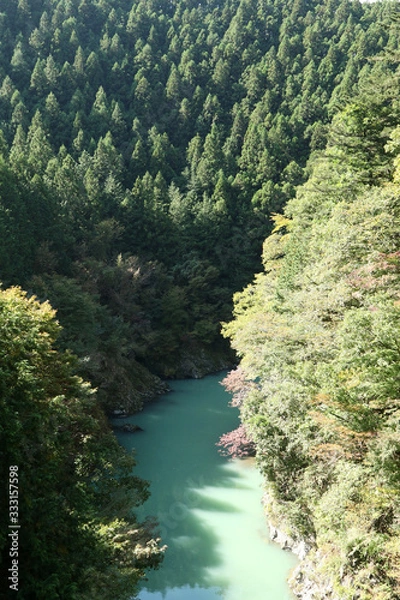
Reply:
x=306, y=580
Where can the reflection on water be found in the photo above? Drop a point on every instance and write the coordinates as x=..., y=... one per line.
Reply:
x=209, y=508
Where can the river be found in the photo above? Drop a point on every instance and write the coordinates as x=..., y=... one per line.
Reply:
x=209, y=507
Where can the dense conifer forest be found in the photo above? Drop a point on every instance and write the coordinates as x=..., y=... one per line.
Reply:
x=154, y=156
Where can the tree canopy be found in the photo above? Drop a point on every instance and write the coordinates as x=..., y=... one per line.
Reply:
x=165, y=132
x=147, y=150
x=78, y=535
x=317, y=332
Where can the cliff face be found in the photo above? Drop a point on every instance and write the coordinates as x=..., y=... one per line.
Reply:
x=306, y=580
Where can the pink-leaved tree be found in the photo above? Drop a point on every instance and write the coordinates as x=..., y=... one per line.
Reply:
x=236, y=443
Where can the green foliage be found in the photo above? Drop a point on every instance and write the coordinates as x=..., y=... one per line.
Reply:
x=143, y=152
x=255, y=103
x=317, y=333
x=77, y=483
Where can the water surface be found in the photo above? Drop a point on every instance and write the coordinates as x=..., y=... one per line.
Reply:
x=209, y=508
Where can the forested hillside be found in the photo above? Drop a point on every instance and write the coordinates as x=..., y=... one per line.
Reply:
x=147, y=149
x=145, y=145
x=318, y=335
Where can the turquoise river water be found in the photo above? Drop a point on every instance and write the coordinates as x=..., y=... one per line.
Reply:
x=208, y=507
